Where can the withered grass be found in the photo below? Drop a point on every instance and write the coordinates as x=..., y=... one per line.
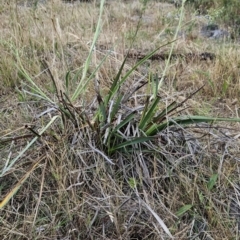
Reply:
x=75, y=192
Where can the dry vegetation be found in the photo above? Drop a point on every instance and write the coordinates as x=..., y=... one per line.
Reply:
x=183, y=183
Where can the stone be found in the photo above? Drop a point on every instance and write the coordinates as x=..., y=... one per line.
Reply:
x=214, y=32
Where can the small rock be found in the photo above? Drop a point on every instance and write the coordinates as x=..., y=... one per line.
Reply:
x=220, y=34
x=214, y=32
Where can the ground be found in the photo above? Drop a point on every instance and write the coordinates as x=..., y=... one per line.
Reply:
x=67, y=186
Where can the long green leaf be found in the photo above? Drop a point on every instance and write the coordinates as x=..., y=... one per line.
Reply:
x=183, y=209
x=124, y=122
x=155, y=128
x=116, y=107
x=149, y=115
x=212, y=181
x=117, y=82
x=81, y=86
x=131, y=142
x=115, y=86
x=103, y=113
x=166, y=111
x=144, y=112
x=186, y=120
x=93, y=73
x=172, y=46
x=141, y=62
x=67, y=81
x=35, y=87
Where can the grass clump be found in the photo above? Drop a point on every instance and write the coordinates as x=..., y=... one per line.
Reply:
x=104, y=151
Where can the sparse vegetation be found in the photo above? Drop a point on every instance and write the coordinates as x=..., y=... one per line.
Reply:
x=225, y=12
x=117, y=121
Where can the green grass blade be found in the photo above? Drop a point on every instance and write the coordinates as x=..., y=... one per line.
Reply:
x=124, y=122
x=149, y=115
x=81, y=86
x=172, y=46
x=27, y=77
x=139, y=63
x=186, y=120
x=117, y=82
x=115, y=86
x=35, y=88
x=93, y=73
x=116, y=107
x=155, y=128
x=103, y=113
x=183, y=210
x=198, y=119
x=67, y=77
x=144, y=112
x=131, y=142
x=166, y=111
x=212, y=181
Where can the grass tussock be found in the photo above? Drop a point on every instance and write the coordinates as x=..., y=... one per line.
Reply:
x=99, y=143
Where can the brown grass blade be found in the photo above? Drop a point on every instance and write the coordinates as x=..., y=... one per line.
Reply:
x=19, y=184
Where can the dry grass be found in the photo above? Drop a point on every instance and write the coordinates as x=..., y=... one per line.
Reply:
x=75, y=193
